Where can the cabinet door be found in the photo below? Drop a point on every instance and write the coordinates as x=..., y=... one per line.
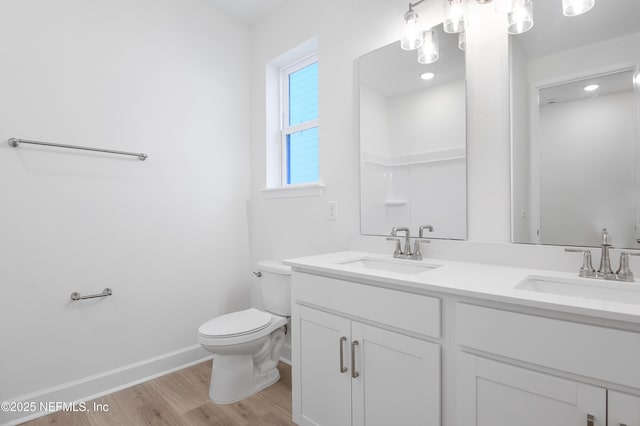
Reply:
x=398, y=379
x=321, y=390
x=623, y=409
x=490, y=393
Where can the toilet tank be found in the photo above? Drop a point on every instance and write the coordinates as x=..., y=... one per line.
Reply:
x=275, y=285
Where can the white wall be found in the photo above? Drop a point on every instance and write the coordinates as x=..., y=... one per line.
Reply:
x=297, y=227
x=346, y=30
x=168, y=235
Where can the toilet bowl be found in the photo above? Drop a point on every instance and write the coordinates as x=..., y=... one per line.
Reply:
x=246, y=344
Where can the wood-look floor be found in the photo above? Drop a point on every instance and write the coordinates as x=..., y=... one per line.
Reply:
x=182, y=398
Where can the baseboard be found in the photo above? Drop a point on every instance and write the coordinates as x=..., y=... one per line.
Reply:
x=285, y=353
x=98, y=385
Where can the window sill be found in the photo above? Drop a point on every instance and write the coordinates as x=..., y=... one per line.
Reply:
x=294, y=191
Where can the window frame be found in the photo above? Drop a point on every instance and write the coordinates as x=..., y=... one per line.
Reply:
x=285, y=128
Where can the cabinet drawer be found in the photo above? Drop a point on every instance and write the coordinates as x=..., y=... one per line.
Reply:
x=407, y=311
x=588, y=350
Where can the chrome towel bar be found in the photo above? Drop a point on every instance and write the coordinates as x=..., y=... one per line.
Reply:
x=76, y=296
x=14, y=142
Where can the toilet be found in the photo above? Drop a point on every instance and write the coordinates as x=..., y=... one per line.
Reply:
x=246, y=344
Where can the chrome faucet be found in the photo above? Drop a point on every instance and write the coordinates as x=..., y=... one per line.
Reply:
x=421, y=240
x=406, y=253
x=604, y=271
x=624, y=273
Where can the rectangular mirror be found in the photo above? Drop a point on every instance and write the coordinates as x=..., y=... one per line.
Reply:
x=413, y=140
x=575, y=114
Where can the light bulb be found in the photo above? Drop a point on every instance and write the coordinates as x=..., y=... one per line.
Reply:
x=412, y=38
x=455, y=15
x=429, y=52
x=520, y=17
x=591, y=87
x=427, y=75
x=462, y=40
x=576, y=7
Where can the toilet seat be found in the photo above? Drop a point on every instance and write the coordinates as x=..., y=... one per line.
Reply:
x=235, y=324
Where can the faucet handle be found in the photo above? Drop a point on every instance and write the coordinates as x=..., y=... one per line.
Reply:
x=586, y=270
x=398, y=251
x=624, y=272
x=417, y=254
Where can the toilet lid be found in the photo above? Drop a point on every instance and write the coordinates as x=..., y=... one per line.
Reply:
x=236, y=323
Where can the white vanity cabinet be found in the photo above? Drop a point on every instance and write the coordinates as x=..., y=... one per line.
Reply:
x=492, y=392
x=455, y=346
x=496, y=394
x=353, y=363
x=624, y=410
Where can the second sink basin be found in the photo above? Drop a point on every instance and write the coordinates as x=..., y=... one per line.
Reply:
x=611, y=291
x=390, y=265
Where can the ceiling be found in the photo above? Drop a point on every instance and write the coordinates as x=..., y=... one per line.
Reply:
x=574, y=90
x=248, y=11
x=553, y=32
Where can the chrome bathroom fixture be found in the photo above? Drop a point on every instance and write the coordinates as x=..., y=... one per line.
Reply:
x=519, y=14
x=605, y=272
x=406, y=253
x=106, y=292
x=14, y=142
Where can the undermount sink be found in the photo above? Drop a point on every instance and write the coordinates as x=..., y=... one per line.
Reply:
x=611, y=291
x=390, y=265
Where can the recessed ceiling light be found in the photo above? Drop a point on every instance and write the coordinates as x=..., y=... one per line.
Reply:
x=591, y=87
x=427, y=75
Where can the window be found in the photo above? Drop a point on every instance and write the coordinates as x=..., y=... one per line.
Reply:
x=299, y=127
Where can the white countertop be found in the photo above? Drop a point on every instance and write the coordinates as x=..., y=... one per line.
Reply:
x=482, y=281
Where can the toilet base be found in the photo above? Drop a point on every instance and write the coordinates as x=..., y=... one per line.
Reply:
x=233, y=378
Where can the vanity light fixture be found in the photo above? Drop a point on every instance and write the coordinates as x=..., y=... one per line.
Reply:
x=429, y=52
x=427, y=75
x=520, y=16
x=591, y=87
x=576, y=7
x=462, y=40
x=412, y=38
x=455, y=16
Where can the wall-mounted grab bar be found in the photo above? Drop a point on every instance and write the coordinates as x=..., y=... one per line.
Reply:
x=14, y=142
x=76, y=296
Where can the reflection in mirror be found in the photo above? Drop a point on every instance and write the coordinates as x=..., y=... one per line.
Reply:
x=413, y=140
x=575, y=114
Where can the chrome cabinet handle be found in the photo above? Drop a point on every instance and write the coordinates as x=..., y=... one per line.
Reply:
x=354, y=373
x=590, y=420
x=343, y=369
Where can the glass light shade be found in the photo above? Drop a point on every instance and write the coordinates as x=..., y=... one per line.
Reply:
x=429, y=52
x=412, y=38
x=455, y=16
x=520, y=17
x=576, y=7
x=462, y=40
